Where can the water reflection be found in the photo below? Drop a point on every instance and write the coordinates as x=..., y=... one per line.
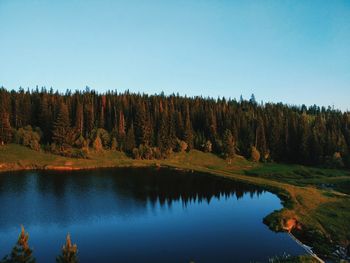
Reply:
x=63, y=197
x=140, y=215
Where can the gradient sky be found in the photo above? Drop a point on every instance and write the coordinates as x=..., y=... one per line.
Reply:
x=291, y=51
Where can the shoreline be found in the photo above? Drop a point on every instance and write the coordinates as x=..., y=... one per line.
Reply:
x=299, y=203
x=155, y=165
x=306, y=248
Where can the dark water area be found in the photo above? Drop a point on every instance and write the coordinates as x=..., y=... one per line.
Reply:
x=140, y=215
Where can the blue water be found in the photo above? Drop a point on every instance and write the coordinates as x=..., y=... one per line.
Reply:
x=140, y=215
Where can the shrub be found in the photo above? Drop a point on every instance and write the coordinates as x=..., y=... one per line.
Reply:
x=335, y=161
x=98, y=144
x=181, y=146
x=135, y=153
x=28, y=137
x=157, y=153
x=114, y=144
x=145, y=152
x=103, y=136
x=254, y=154
x=79, y=142
x=79, y=153
x=208, y=147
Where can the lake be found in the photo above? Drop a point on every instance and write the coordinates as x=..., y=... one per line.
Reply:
x=140, y=215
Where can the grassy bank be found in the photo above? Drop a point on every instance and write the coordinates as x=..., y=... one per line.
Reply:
x=316, y=201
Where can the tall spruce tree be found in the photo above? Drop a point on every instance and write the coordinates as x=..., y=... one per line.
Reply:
x=304, y=140
x=61, y=127
x=179, y=126
x=69, y=252
x=45, y=118
x=163, y=139
x=21, y=252
x=79, y=118
x=5, y=127
x=188, y=132
x=130, y=143
x=121, y=130
x=142, y=128
x=228, y=145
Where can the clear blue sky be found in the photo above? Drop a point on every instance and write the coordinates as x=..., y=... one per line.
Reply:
x=290, y=51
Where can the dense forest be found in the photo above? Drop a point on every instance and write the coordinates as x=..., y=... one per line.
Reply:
x=153, y=126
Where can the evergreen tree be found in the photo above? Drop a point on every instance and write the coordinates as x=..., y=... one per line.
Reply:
x=61, y=127
x=45, y=118
x=21, y=252
x=260, y=139
x=163, y=139
x=212, y=126
x=188, y=133
x=69, y=252
x=228, y=145
x=89, y=119
x=179, y=126
x=172, y=126
x=142, y=132
x=121, y=130
x=130, y=140
x=79, y=118
x=304, y=140
x=5, y=127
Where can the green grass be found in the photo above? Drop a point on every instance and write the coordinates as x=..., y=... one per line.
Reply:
x=299, y=175
x=16, y=157
x=317, y=199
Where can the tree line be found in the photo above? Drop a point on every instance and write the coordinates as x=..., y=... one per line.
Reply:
x=153, y=126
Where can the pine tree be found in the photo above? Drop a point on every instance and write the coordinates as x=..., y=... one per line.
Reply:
x=212, y=126
x=163, y=139
x=24, y=111
x=260, y=138
x=188, y=134
x=45, y=118
x=179, y=126
x=304, y=140
x=121, y=130
x=79, y=118
x=69, y=252
x=142, y=128
x=101, y=121
x=228, y=145
x=89, y=119
x=61, y=127
x=5, y=128
x=21, y=253
x=172, y=127
x=130, y=140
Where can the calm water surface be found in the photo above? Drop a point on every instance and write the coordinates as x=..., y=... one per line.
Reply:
x=139, y=215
